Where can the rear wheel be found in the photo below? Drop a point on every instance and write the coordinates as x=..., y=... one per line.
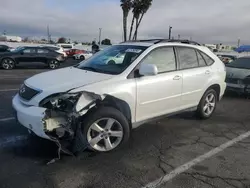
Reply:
x=106, y=129
x=8, y=63
x=207, y=104
x=82, y=57
x=53, y=64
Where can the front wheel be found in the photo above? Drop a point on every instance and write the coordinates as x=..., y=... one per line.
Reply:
x=106, y=129
x=207, y=104
x=53, y=64
x=82, y=57
x=8, y=64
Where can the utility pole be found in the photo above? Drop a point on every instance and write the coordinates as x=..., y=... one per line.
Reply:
x=100, y=35
x=179, y=36
x=238, y=43
x=169, y=32
x=48, y=33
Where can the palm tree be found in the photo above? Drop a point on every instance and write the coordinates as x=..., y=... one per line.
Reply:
x=144, y=6
x=136, y=13
x=126, y=7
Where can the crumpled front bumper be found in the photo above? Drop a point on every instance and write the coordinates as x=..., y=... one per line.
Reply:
x=30, y=117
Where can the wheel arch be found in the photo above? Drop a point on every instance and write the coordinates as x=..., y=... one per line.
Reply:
x=215, y=87
x=3, y=58
x=120, y=105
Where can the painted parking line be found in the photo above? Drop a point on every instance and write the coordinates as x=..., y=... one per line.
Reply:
x=7, y=119
x=6, y=90
x=195, y=161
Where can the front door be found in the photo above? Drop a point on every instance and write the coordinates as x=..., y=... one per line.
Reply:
x=27, y=55
x=160, y=94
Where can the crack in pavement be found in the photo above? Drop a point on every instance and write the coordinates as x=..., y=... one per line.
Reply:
x=227, y=180
x=196, y=178
x=199, y=141
x=160, y=160
x=130, y=178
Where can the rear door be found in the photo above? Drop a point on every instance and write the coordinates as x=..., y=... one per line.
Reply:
x=196, y=75
x=42, y=55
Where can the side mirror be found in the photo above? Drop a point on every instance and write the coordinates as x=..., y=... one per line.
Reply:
x=148, y=70
x=21, y=53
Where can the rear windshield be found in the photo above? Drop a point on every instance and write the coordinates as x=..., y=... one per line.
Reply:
x=242, y=63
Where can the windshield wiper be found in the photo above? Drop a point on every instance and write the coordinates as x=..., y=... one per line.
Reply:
x=90, y=69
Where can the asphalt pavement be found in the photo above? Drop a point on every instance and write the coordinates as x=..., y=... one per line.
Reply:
x=181, y=151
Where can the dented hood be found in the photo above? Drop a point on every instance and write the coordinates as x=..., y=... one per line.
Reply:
x=65, y=79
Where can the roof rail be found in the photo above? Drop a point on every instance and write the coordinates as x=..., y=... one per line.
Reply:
x=156, y=41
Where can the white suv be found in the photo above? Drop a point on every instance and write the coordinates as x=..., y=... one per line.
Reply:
x=100, y=100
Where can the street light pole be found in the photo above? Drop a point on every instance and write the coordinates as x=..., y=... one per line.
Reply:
x=169, y=32
x=100, y=35
x=238, y=43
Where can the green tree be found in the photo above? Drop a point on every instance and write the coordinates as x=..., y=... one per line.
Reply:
x=106, y=42
x=62, y=40
x=126, y=7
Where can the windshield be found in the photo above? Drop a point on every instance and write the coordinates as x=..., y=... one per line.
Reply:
x=243, y=63
x=112, y=60
x=18, y=49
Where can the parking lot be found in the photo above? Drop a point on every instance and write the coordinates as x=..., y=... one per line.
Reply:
x=180, y=151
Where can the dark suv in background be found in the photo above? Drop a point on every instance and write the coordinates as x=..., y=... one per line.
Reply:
x=9, y=60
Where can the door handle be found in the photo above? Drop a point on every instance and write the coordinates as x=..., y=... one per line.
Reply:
x=207, y=72
x=177, y=77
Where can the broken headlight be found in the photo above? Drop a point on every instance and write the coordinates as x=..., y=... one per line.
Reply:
x=61, y=101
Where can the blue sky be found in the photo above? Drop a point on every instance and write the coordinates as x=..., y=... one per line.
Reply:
x=212, y=21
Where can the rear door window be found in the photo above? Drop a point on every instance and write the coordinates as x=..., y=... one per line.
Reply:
x=187, y=57
x=42, y=51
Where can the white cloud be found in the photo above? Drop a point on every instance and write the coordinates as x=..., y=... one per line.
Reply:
x=205, y=21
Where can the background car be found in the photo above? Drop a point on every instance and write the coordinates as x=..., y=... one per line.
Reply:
x=83, y=56
x=4, y=48
x=52, y=59
x=72, y=52
x=238, y=75
x=56, y=49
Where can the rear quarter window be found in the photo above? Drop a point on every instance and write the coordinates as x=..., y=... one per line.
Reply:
x=209, y=60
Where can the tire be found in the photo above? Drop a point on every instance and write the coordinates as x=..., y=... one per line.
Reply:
x=8, y=63
x=207, y=104
x=103, y=132
x=82, y=57
x=53, y=64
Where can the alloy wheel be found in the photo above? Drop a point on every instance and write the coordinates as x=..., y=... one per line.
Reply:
x=53, y=64
x=8, y=64
x=105, y=134
x=209, y=104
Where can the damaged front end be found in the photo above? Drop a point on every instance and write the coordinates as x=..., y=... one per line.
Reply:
x=63, y=114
